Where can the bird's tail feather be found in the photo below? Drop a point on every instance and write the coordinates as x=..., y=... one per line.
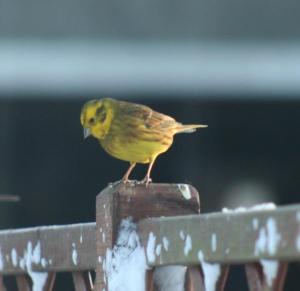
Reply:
x=188, y=128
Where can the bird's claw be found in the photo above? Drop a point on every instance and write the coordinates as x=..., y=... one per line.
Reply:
x=146, y=181
x=123, y=181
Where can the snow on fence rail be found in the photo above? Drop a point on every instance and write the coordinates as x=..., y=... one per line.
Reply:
x=171, y=232
x=226, y=238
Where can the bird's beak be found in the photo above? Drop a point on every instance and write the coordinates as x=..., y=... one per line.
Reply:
x=86, y=132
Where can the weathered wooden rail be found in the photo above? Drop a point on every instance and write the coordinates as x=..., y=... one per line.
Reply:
x=172, y=233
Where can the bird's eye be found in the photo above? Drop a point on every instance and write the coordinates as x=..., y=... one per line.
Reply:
x=92, y=120
x=100, y=110
x=103, y=117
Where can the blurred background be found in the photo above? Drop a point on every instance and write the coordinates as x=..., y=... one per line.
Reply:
x=234, y=65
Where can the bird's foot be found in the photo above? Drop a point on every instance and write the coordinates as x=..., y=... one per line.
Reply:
x=123, y=181
x=146, y=181
x=129, y=181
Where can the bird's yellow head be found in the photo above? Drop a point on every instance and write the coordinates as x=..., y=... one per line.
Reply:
x=96, y=117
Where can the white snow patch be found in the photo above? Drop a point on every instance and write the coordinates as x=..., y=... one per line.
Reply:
x=185, y=191
x=187, y=245
x=158, y=250
x=213, y=242
x=268, y=238
x=270, y=269
x=274, y=236
x=255, y=223
x=44, y=262
x=103, y=237
x=151, y=247
x=125, y=264
x=14, y=257
x=34, y=256
x=74, y=254
x=169, y=278
x=211, y=273
x=81, y=235
x=166, y=243
x=258, y=207
x=263, y=206
x=42, y=228
x=298, y=237
x=181, y=234
x=1, y=260
x=22, y=263
x=298, y=243
x=261, y=242
x=39, y=280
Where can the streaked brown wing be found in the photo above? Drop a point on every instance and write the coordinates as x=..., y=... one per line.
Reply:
x=144, y=115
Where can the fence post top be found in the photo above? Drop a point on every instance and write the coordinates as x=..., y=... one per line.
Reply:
x=187, y=191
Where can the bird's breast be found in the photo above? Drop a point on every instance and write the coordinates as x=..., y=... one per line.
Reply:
x=138, y=148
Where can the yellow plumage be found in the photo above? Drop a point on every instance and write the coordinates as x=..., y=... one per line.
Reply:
x=131, y=132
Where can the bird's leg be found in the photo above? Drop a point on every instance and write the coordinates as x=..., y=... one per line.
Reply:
x=126, y=176
x=147, y=178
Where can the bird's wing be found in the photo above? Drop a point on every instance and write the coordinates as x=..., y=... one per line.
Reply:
x=146, y=116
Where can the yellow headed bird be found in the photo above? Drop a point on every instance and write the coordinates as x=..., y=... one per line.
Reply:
x=131, y=132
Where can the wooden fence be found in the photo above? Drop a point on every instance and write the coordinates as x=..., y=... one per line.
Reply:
x=167, y=216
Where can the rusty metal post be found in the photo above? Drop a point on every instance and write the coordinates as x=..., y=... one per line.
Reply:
x=195, y=279
x=82, y=281
x=139, y=202
x=49, y=284
x=2, y=286
x=23, y=282
x=223, y=278
x=257, y=280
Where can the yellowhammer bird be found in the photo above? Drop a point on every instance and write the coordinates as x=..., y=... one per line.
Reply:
x=131, y=132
